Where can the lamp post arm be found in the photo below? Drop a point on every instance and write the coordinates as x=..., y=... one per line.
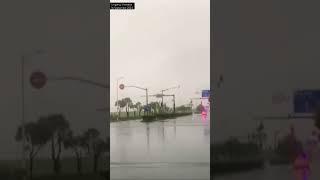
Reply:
x=82, y=80
x=137, y=87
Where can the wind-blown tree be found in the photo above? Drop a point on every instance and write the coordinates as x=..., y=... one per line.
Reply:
x=165, y=108
x=155, y=106
x=77, y=144
x=121, y=103
x=261, y=135
x=131, y=107
x=90, y=136
x=96, y=146
x=134, y=108
x=128, y=102
x=58, y=127
x=139, y=107
x=35, y=137
x=99, y=147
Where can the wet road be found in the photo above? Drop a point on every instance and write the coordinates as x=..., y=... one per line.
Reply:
x=173, y=149
x=283, y=172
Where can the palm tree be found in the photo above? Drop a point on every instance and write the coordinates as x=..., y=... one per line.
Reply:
x=165, y=108
x=90, y=135
x=262, y=136
x=128, y=102
x=58, y=128
x=36, y=138
x=99, y=147
x=139, y=107
x=134, y=108
x=153, y=106
x=96, y=146
x=77, y=144
x=121, y=103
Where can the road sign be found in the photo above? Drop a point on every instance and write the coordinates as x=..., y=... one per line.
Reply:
x=206, y=93
x=306, y=101
x=38, y=79
x=121, y=86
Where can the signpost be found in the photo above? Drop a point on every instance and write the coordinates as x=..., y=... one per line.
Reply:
x=38, y=79
x=206, y=98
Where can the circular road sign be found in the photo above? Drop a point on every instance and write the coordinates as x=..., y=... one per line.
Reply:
x=121, y=86
x=38, y=79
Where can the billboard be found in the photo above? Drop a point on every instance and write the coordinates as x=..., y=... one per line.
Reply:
x=306, y=101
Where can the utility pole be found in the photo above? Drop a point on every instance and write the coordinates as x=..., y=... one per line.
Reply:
x=118, y=106
x=23, y=58
x=23, y=162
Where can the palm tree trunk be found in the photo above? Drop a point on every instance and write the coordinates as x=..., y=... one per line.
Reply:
x=127, y=110
x=95, y=163
x=57, y=166
x=31, y=166
x=56, y=159
x=79, y=163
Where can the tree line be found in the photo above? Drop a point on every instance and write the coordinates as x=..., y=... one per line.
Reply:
x=54, y=130
x=155, y=107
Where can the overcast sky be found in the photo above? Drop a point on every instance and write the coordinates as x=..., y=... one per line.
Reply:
x=161, y=44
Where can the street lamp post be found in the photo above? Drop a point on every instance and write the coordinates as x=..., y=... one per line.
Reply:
x=176, y=87
x=118, y=106
x=23, y=58
x=23, y=163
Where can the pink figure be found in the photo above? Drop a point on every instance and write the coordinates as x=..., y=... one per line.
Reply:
x=204, y=116
x=301, y=167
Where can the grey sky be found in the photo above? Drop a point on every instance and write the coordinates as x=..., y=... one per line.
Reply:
x=159, y=45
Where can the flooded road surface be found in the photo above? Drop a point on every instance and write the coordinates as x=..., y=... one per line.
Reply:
x=171, y=149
